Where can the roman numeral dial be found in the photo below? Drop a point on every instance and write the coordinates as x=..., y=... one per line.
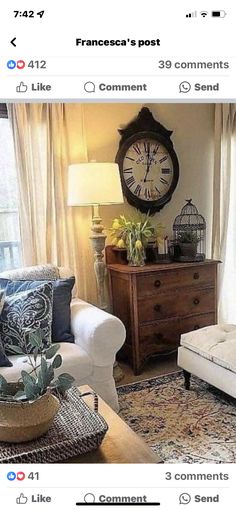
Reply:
x=147, y=170
x=148, y=163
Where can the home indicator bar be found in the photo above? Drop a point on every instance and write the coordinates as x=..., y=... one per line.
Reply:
x=153, y=503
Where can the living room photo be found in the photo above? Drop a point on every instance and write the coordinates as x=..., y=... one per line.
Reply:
x=117, y=277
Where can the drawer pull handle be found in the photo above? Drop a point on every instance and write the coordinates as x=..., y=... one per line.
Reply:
x=159, y=336
x=157, y=308
x=196, y=326
x=195, y=276
x=157, y=283
x=196, y=301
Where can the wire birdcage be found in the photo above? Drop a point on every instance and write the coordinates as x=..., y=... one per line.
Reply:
x=189, y=226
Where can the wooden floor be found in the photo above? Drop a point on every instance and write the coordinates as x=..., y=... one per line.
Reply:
x=159, y=366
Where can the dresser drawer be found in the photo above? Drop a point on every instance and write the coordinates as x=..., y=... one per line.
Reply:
x=162, y=336
x=164, y=281
x=182, y=303
x=197, y=322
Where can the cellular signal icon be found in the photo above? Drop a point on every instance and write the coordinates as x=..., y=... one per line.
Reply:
x=191, y=14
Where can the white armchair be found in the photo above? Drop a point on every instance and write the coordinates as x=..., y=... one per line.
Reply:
x=98, y=337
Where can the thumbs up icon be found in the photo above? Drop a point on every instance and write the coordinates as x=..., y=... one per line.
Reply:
x=21, y=500
x=22, y=87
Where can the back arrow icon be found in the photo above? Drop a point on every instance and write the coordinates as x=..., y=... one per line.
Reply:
x=13, y=42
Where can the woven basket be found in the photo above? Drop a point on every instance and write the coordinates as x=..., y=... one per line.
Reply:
x=75, y=430
x=24, y=421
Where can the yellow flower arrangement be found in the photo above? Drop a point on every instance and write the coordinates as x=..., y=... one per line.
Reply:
x=132, y=235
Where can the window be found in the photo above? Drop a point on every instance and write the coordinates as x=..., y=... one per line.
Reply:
x=10, y=247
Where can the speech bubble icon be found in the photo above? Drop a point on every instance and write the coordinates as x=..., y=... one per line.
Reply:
x=89, y=86
x=89, y=498
x=184, y=87
x=184, y=498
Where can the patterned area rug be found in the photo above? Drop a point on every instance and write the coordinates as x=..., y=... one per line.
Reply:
x=196, y=426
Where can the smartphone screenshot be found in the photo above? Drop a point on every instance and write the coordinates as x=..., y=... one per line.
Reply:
x=117, y=254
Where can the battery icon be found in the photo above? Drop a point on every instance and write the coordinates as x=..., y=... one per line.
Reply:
x=218, y=14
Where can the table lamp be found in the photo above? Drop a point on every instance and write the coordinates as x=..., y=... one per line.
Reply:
x=95, y=184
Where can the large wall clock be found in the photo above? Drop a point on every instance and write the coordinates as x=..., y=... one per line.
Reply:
x=148, y=163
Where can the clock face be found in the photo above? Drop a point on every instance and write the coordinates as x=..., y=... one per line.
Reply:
x=149, y=171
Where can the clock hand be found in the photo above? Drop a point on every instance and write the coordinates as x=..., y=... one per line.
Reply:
x=148, y=165
x=145, y=178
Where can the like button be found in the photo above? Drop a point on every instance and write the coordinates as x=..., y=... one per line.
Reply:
x=22, y=500
x=22, y=87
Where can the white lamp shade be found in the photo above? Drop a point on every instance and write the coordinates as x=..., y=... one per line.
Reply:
x=94, y=183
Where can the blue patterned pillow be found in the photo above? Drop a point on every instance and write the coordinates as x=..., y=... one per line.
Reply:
x=2, y=299
x=24, y=312
x=4, y=361
x=62, y=295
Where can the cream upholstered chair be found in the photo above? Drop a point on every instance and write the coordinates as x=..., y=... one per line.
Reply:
x=210, y=354
x=97, y=337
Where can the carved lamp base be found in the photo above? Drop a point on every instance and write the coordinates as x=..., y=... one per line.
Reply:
x=98, y=239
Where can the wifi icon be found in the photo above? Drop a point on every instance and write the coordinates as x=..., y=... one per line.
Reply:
x=204, y=13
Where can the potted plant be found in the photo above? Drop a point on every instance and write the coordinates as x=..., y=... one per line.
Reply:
x=188, y=241
x=28, y=407
x=133, y=236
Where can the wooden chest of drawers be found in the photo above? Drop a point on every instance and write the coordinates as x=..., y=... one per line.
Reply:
x=157, y=303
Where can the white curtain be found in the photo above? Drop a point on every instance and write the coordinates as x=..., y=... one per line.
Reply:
x=51, y=232
x=224, y=209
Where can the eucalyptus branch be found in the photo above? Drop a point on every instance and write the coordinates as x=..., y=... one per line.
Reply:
x=30, y=388
x=31, y=372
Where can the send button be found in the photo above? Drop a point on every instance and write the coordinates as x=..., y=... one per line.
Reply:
x=206, y=88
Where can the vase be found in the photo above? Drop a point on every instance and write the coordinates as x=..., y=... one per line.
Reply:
x=25, y=421
x=136, y=253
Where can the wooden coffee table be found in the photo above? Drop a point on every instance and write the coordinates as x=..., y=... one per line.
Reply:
x=120, y=446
